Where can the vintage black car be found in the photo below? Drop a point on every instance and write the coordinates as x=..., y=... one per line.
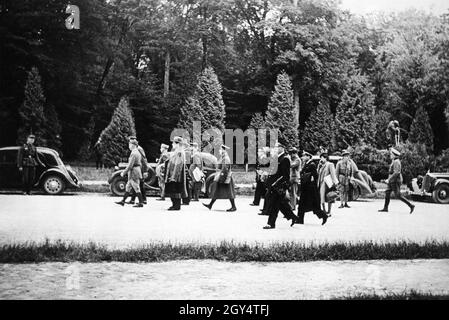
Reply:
x=118, y=183
x=434, y=185
x=54, y=178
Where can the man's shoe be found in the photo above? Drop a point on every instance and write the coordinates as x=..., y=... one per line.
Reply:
x=173, y=209
x=341, y=206
x=347, y=206
x=130, y=202
x=160, y=199
x=296, y=221
x=253, y=205
x=263, y=213
x=138, y=205
x=412, y=208
x=207, y=206
x=383, y=210
x=324, y=220
x=195, y=200
x=267, y=227
x=122, y=203
x=232, y=209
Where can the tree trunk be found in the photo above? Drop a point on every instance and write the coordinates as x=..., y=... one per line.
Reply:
x=167, y=74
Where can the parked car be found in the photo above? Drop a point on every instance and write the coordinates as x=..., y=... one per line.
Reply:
x=54, y=178
x=434, y=185
x=117, y=182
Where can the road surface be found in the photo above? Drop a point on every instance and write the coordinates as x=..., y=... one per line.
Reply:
x=97, y=218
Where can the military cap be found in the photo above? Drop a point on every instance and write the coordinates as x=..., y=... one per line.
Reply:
x=164, y=146
x=177, y=140
x=293, y=150
x=31, y=136
x=224, y=147
x=345, y=153
x=305, y=153
x=134, y=142
x=132, y=138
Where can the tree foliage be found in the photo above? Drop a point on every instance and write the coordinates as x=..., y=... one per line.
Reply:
x=421, y=131
x=114, y=138
x=319, y=130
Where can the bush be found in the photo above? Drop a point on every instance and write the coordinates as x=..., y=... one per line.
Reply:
x=441, y=163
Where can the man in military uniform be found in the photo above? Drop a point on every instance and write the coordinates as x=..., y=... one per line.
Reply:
x=134, y=173
x=188, y=181
x=27, y=161
x=295, y=169
x=345, y=173
x=394, y=182
x=144, y=169
x=198, y=180
x=160, y=170
x=175, y=174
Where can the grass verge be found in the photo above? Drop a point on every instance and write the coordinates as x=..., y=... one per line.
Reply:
x=62, y=251
x=406, y=295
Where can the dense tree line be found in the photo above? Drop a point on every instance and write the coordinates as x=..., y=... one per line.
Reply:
x=153, y=51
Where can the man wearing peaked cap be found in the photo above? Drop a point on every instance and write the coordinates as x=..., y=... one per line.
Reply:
x=160, y=169
x=175, y=174
x=27, y=161
x=394, y=182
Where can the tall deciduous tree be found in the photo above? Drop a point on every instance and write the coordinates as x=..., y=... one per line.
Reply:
x=114, y=138
x=319, y=129
x=421, y=131
x=31, y=112
x=205, y=105
x=281, y=111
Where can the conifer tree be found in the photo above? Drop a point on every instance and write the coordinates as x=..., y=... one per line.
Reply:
x=355, y=112
x=281, y=113
x=31, y=112
x=114, y=138
x=319, y=129
x=205, y=105
x=421, y=131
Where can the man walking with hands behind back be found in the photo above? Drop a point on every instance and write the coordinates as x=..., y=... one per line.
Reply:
x=27, y=161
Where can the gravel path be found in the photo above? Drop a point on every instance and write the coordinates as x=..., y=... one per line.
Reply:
x=221, y=280
x=97, y=218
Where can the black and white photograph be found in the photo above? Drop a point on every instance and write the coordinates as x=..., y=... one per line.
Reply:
x=208, y=151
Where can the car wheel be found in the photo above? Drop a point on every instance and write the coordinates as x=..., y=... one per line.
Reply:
x=441, y=194
x=53, y=185
x=118, y=186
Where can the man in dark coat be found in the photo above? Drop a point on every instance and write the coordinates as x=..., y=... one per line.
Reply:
x=394, y=182
x=175, y=174
x=261, y=188
x=144, y=169
x=160, y=170
x=195, y=167
x=277, y=194
x=310, y=197
x=27, y=161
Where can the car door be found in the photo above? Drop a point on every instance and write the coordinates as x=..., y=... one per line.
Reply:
x=10, y=176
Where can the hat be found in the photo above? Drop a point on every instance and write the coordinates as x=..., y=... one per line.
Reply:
x=132, y=138
x=134, y=142
x=224, y=147
x=305, y=153
x=164, y=146
x=32, y=136
x=293, y=150
x=177, y=140
x=325, y=155
x=395, y=152
x=345, y=153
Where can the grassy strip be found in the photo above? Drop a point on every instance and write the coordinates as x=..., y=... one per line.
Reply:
x=61, y=251
x=411, y=295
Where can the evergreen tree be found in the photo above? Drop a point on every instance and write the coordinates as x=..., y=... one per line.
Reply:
x=319, y=129
x=114, y=138
x=31, y=112
x=205, y=105
x=257, y=121
x=421, y=131
x=281, y=113
x=354, y=117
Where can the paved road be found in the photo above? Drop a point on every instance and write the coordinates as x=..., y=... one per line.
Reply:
x=221, y=280
x=97, y=218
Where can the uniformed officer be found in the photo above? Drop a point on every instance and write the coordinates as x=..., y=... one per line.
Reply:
x=134, y=173
x=27, y=161
x=394, y=182
x=345, y=174
x=144, y=169
x=175, y=174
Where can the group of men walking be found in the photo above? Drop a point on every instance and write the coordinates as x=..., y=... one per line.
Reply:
x=180, y=175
